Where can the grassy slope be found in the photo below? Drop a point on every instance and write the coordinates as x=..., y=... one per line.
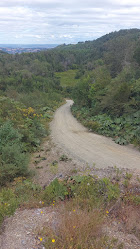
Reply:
x=67, y=78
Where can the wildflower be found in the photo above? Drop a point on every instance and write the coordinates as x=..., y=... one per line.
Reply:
x=107, y=212
x=41, y=212
x=42, y=202
x=74, y=226
x=40, y=239
x=53, y=240
x=73, y=210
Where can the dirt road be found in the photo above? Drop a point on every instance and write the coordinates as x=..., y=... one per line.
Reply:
x=88, y=147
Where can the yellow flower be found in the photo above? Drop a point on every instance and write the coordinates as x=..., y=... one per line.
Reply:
x=42, y=202
x=73, y=210
x=53, y=240
x=107, y=212
x=74, y=226
x=41, y=212
x=40, y=239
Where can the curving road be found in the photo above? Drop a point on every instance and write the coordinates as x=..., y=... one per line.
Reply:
x=89, y=147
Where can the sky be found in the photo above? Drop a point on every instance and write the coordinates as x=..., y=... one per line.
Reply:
x=64, y=21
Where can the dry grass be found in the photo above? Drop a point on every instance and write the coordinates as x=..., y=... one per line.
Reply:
x=76, y=229
x=127, y=212
x=129, y=216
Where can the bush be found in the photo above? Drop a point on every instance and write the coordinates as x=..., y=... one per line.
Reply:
x=56, y=190
x=9, y=135
x=123, y=130
x=8, y=203
x=13, y=161
x=94, y=193
x=93, y=125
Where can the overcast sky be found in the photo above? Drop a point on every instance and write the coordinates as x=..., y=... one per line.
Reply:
x=64, y=21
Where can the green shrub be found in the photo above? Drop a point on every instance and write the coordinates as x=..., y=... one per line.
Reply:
x=56, y=190
x=9, y=135
x=123, y=130
x=32, y=132
x=96, y=192
x=13, y=160
x=93, y=192
x=25, y=190
x=8, y=203
x=93, y=125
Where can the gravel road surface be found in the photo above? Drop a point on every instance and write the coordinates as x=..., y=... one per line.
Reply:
x=88, y=147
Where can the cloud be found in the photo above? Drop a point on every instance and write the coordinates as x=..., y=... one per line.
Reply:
x=59, y=21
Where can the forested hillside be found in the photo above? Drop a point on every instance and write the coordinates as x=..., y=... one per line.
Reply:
x=29, y=93
x=105, y=76
x=107, y=97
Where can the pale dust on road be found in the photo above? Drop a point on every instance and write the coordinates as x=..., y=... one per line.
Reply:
x=88, y=147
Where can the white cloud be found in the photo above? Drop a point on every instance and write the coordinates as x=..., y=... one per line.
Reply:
x=59, y=21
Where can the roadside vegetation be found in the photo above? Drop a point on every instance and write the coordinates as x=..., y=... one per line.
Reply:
x=97, y=201
x=22, y=130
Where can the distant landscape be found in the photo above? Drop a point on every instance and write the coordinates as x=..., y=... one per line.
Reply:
x=25, y=48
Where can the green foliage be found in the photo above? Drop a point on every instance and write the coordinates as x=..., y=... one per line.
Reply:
x=137, y=55
x=123, y=130
x=22, y=128
x=135, y=199
x=13, y=161
x=8, y=203
x=8, y=135
x=22, y=192
x=82, y=188
x=26, y=189
x=64, y=158
x=56, y=190
x=128, y=176
x=67, y=78
x=92, y=125
x=107, y=96
x=96, y=192
x=109, y=190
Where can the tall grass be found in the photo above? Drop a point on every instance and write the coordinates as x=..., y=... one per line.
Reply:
x=76, y=228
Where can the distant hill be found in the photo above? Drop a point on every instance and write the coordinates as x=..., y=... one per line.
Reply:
x=115, y=49
x=25, y=48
